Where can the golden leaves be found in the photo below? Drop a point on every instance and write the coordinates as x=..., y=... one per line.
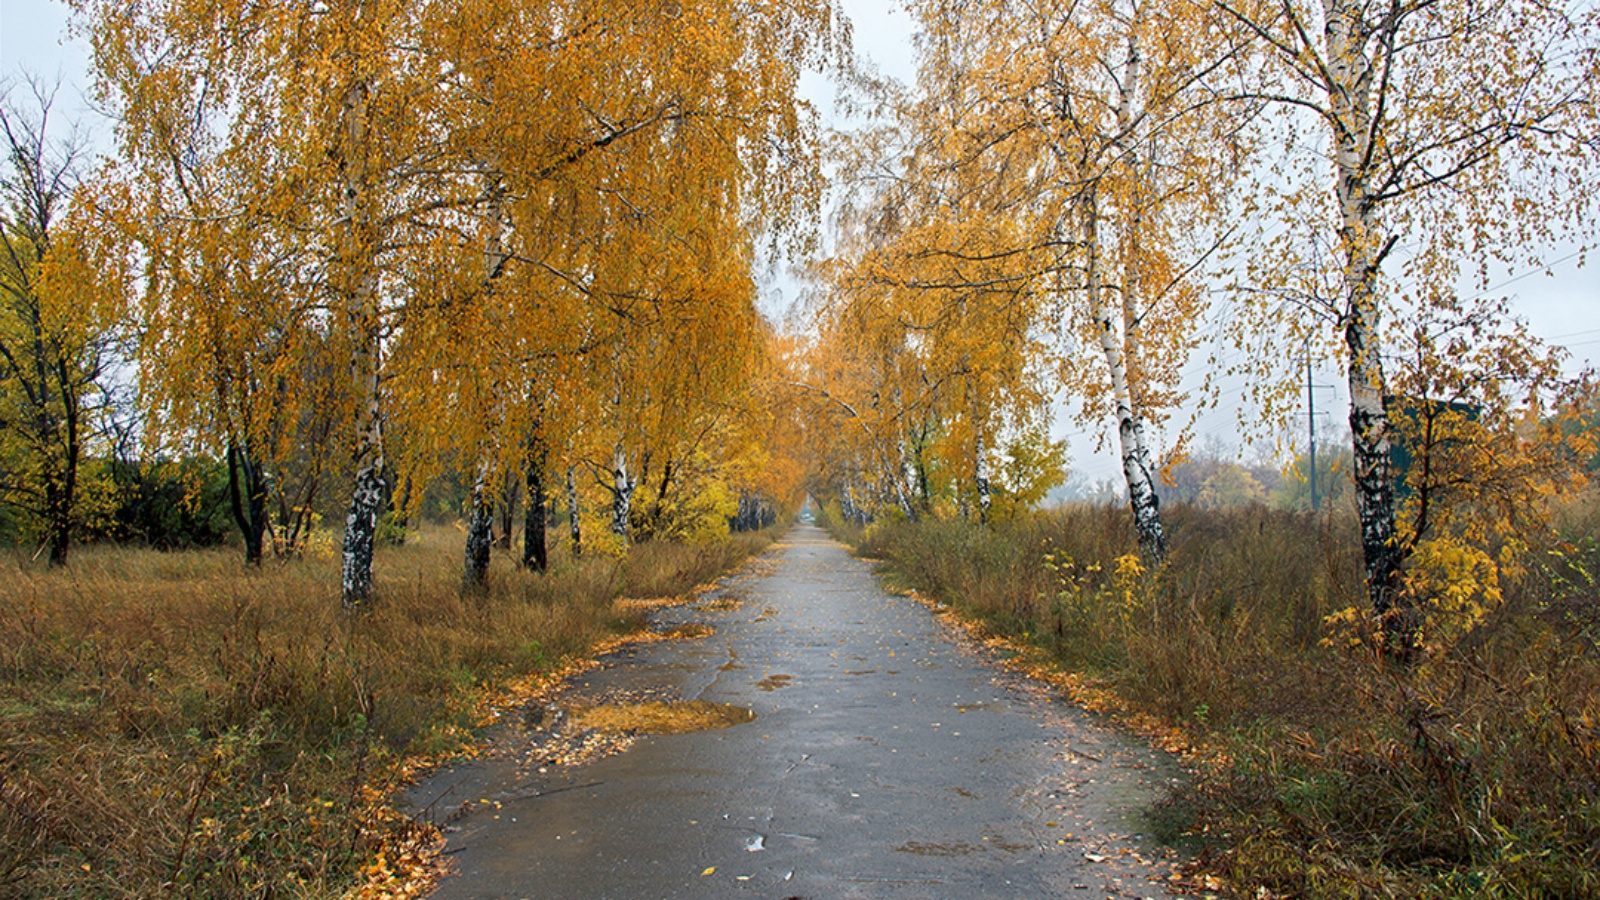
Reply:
x=319, y=180
x=1050, y=191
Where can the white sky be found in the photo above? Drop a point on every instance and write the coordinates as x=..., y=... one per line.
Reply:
x=33, y=39
x=1562, y=307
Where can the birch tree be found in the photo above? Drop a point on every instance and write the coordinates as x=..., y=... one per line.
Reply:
x=1452, y=139
x=951, y=321
x=399, y=124
x=631, y=159
x=1078, y=163
x=1138, y=159
x=226, y=304
x=345, y=92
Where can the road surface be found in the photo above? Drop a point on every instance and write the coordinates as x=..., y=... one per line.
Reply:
x=886, y=759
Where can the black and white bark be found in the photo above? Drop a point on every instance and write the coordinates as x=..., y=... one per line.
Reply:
x=904, y=473
x=480, y=517
x=574, y=513
x=980, y=477
x=361, y=523
x=480, y=533
x=366, y=501
x=355, y=281
x=622, y=485
x=1134, y=450
x=1350, y=82
x=1119, y=340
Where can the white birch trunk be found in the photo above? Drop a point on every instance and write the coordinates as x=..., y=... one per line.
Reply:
x=980, y=475
x=903, y=474
x=480, y=520
x=575, y=522
x=1350, y=85
x=356, y=279
x=1132, y=445
x=902, y=471
x=622, y=485
x=480, y=532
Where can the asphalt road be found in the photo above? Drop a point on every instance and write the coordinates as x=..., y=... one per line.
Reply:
x=886, y=760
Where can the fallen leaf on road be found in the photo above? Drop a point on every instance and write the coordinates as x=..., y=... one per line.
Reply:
x=710, y=870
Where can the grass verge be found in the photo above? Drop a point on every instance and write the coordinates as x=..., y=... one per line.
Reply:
x=1323, y=771
x=172, y=725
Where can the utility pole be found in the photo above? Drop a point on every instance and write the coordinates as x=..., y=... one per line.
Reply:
x=1311, y=425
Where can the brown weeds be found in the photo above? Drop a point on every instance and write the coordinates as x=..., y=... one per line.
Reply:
x=1325, y=771
x=174, y=724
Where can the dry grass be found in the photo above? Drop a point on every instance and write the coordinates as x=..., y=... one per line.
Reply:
x=171, y=724
x=1325, y=771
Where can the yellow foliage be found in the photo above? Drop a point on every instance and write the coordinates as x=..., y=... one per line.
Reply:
x=320, y=543
x=1456, y=584
x=1128, y=582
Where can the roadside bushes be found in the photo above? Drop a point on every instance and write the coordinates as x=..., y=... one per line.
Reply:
x=1325, y=770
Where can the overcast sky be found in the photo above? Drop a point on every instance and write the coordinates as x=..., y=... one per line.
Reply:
x=1562, y=306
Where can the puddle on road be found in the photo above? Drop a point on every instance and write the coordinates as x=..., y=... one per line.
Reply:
x=658, y=717
x=579, y=733
x=961, y=848
x=773, y=682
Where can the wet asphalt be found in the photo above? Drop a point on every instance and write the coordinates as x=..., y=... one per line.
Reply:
x=886, y=760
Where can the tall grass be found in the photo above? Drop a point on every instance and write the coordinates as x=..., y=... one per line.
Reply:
x=1326, y=771
x=172, y=724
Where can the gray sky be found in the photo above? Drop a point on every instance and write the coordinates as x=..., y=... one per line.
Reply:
x=33, y=39
x=1562, y=306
